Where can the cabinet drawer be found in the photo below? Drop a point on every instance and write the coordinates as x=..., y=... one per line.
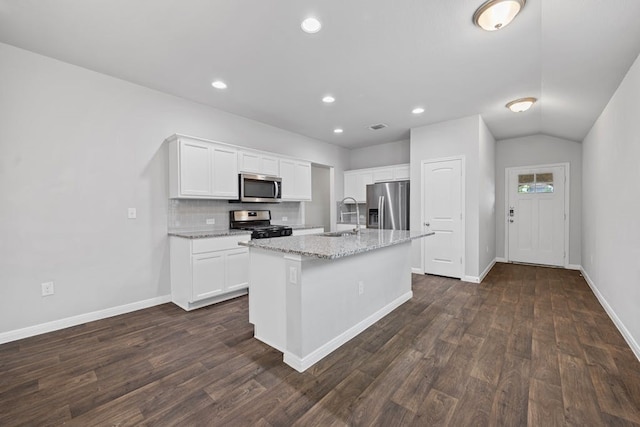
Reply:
x=199, y=246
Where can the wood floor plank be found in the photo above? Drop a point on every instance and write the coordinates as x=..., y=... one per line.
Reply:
x=578, y=395
x=545, y=406
x=528, y=346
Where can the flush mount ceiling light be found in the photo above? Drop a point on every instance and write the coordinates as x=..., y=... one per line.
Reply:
x=219, y=84
x=496, y=14
x=311, y=25
x=418, y=110
x=337, y=130
x=328, y=99
x=520, y=105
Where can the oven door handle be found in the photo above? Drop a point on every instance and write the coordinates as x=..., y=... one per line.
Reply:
x=276, y=189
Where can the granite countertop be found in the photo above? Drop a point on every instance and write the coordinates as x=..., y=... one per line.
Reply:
x=319, y=246
x=300, y=226
x=205, y=234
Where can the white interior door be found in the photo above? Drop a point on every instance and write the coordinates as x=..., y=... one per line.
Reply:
x=536, y=217
x=442, y=213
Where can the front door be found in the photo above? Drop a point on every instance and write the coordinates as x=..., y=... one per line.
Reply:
x=536, y=215
x=442, y=210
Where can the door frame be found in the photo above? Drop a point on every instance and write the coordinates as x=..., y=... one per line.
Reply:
x=463, y=228
x=567, y=198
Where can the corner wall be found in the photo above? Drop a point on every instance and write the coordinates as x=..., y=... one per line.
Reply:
x=77, y=148
x=538, y=150
x=460, y=137
x=611, y=207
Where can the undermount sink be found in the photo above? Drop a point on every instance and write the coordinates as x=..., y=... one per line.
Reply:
x=339, y=233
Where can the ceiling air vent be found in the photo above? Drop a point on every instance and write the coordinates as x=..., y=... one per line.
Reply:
x=378, y=126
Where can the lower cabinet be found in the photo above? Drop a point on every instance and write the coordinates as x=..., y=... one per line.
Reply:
x=206, y=271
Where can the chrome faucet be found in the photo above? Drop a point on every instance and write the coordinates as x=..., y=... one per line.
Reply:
x=357, y=229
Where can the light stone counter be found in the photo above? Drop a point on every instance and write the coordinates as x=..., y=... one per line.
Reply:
x=319, y=246
x=205, y=234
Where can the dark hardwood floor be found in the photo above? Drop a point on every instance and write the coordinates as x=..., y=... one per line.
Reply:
x=529, y=346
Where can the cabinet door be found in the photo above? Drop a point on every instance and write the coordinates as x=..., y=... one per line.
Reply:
x=401, y=172
x=288, y=175
x=364, y=179
x=195, y=169
x=225, y=172
x=208, y=275
x=249, y=162
x=383, y=175
x=270, y=166
x=303, y=181
x=237, y=271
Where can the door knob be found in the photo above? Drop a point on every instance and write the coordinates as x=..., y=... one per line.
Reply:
x=510, y=219
x=427, y=224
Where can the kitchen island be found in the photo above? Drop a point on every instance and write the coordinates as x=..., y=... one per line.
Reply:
x=310, y=294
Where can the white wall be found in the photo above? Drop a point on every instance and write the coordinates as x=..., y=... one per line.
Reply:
x=486, y=199
x=317, y=211
x=77, y=148
x=391, y=153
x=538, y=150
x=458, y=137
x=611, y=207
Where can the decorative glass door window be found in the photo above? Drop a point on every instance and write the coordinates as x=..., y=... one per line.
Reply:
x=535, y=183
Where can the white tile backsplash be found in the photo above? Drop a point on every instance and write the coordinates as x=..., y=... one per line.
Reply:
x=192, y=214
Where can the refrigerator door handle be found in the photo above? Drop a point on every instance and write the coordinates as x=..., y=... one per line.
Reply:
x=379, y=211
x=382, y=213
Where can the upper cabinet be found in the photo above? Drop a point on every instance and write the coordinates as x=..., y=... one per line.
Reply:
x=356, y=181
x=296, y=180
x=258, y=163
x=355, y=184
x=199, y=169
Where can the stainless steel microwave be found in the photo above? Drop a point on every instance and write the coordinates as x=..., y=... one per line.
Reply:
x=260, y=188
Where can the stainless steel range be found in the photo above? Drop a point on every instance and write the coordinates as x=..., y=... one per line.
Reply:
x=259, y=222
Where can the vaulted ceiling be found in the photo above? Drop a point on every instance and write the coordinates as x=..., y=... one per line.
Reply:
x=378, y=58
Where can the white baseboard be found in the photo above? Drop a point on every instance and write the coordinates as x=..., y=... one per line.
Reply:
x=300, y=364
x=471, y=279
x=487, y=270
x=500, y=259
x=80, y=319
x=415, y=270
x=612, y=314
x=574, y=267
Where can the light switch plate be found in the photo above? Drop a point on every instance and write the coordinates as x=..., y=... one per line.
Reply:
x=132, y=213
x=211, y=221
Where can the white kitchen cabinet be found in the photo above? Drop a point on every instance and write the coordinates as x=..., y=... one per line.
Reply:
x=356, y=181
x=355, y=185
x=383, y=175
x=209, y=270
x=306, y=231
x=258, y=163
x=296, y=180
x=200, y=169
x=401, y=173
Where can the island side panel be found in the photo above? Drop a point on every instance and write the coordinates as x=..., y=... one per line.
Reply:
x=331, y=310
x=267, y=297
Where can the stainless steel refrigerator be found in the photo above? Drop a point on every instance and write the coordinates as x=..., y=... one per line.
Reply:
x=388, y=205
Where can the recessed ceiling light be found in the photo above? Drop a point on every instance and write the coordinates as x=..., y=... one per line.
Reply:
x=338, y=130
x=219, y=84
x=418, y=110
x=520, y=105
x=496, y=14
x=311, y=25
x=328, y=99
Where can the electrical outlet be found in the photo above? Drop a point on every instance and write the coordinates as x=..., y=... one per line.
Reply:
x=285, y=219
x=132, y=213
x=211, y=221
x=47, y=289
x=293, y=275
x=360, y=287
